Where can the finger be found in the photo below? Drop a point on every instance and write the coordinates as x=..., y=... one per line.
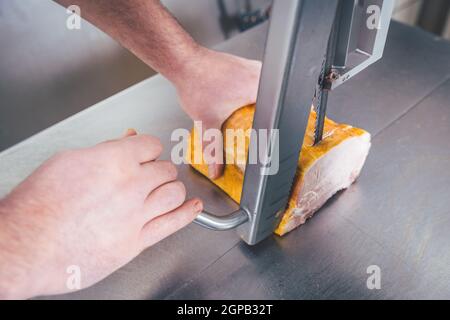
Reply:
x=163, y=226
x=129, y=133
x=213, y=155
x=164, y=199
x=142, y=147
x=215, y=171
x=157, y=173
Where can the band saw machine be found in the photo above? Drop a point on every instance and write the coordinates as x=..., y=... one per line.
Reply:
x=312, y=47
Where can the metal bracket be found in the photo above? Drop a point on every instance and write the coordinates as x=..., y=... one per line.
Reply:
x=362, y=32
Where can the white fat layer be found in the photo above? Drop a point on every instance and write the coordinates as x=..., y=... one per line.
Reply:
x=334, y=171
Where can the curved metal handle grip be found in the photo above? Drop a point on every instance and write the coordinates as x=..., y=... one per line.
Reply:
x=217, y=223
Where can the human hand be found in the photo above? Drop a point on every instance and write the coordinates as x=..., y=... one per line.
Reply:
x=212, y=86
x=95, y=208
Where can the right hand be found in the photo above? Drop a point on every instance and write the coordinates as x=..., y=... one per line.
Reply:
x=213, y=86
x=95, y=208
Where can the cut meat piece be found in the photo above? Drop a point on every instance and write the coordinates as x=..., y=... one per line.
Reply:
x=324, y=169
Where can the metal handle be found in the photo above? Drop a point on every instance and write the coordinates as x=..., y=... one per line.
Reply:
x=213, y=222
x=358, y=45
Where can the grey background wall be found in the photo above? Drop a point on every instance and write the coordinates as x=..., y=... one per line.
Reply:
x=48, y=73
x=407, y=11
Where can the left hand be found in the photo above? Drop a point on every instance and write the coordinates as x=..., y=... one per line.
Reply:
x=92, y=209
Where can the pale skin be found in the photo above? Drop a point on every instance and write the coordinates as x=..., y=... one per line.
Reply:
x=100, y=206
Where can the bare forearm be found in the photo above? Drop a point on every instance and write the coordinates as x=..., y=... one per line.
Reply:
x=14, y=268
x=145, y=28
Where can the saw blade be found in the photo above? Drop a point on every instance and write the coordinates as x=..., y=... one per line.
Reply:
x=320, y=105
x=327, y=76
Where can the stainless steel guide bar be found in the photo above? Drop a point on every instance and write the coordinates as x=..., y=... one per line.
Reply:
x=356, y=41
x=362, y=33
x=296, y=43
x=218, y=223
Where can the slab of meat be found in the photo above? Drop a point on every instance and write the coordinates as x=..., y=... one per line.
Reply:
x=324, y=169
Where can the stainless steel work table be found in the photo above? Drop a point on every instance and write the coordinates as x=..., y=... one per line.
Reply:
x=396, y=216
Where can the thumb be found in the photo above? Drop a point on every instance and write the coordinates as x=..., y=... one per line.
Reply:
x=215, y=171
x=212, y=159
x=213, y=153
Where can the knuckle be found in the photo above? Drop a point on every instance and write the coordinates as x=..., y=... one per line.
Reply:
x=175, y=193
x=63, y=154
x=154, y=142
x=118, y=161
x=169, y=169
x=179, y=189
x=110, y=150
x=66, y=157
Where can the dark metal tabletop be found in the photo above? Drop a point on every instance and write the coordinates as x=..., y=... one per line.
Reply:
x=396, y=216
